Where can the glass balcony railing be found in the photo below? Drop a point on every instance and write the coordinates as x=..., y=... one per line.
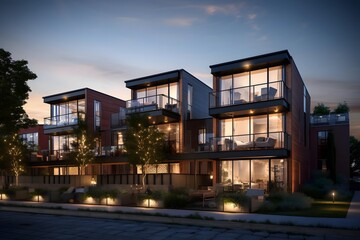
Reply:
x=151, y=103
x=330, y=119
x=271, y=140
x=248, y=94
x=63, y=120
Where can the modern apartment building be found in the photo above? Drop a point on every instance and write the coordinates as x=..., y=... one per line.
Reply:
x=261, y=112
x=66, y=111
x=176, y=102
x=252, y=130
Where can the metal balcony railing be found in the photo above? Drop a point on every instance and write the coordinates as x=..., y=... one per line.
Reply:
x=330, y=119
x=271, y=140
x=63, y=120
x=248, y=94
x=151, y=103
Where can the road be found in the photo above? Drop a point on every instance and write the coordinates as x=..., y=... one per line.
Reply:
x=16, y=225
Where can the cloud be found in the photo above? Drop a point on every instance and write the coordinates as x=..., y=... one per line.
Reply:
x=227, y=9
x=180, y=22
x=251, y=16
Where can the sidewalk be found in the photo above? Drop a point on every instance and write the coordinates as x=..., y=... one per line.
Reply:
x=352, y=221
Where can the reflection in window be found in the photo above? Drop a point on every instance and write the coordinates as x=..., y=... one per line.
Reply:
x=226, y=172
x=259, y=174
x=97, y=114
x=259, y=76
x=278, y=175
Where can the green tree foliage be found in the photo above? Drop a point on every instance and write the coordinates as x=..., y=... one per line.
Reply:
x=342, y=108
x=354, y=156
x=144, y=143
x=83, y=148
x=321, y=109
x=14, y=92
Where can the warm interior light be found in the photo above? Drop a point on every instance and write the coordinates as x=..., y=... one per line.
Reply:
x=93, y=181
x=276, y=110
x=247, y=65
x=251, y=111
x=153, y=122
x=211, y=176
x=149, y=117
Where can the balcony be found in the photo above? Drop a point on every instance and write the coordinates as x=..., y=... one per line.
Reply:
x=152, y=103
x=264, y=98
x=160, y=108
x=63, y=122
x=331, y=119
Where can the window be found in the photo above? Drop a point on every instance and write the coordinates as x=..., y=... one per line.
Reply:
x=97, y=115
x=322, y=139
x=202, y=136
x=31, y=140
x=190, y=100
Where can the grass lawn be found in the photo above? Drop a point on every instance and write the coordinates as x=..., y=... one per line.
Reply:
x=319, y=208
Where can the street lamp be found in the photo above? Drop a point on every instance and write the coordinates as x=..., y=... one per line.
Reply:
x=333, y=196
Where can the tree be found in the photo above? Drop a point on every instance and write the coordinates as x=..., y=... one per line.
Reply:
x=16, y=152
x=14, y=92
x=354, y=157
x=84, y=145
x=321, y=109
x=342, y=108
x=144, y=143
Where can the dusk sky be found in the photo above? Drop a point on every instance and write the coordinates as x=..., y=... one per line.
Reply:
x=100, y=44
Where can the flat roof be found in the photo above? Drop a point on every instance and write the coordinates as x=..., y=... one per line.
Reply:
x=251, y=63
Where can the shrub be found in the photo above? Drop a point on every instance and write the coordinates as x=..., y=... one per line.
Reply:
x=283, y=201
x=99, y=193
x=237, y=198
x=39, y=192
x=176, y=198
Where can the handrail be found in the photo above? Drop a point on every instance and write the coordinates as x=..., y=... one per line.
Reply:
x=248, y=94
x=63, y=120
x=268, y=140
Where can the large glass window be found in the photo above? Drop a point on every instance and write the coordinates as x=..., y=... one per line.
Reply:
x=225, y=87
x=259, y=76
x=278, y=175
x=190, y=101
x=174, y=90
x=275, y=74
x=258, y=85
x=241, y=173
x=241, y=88
x=31, y=140
x=172, y=135
x=255, y=174
x=61, y=145
x=97, y=115
x=226, y=172
x=67, y=113
x=259, y=174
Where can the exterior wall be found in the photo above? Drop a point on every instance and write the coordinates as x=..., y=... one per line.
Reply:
x=201, y=92
x=297, y=125
x=342, y=147
x=109, y=105
x=43, y=139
